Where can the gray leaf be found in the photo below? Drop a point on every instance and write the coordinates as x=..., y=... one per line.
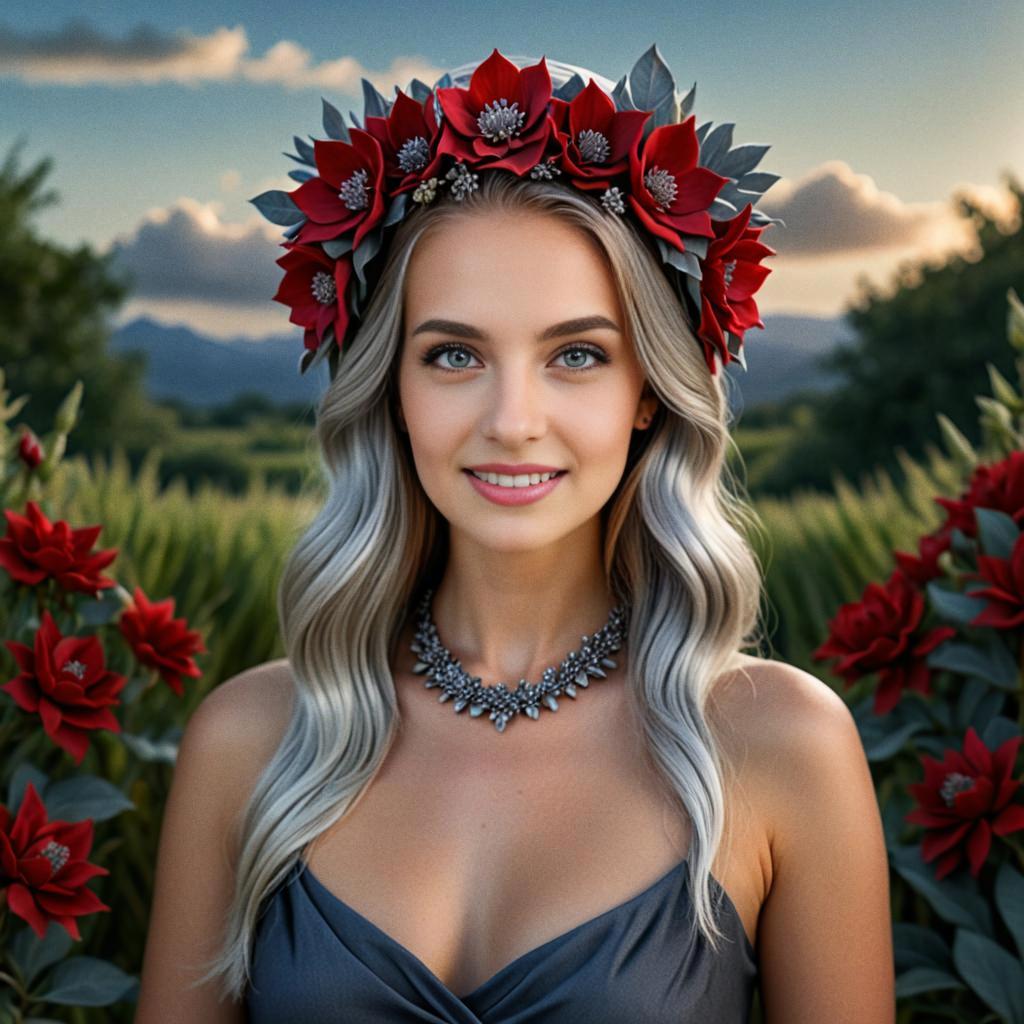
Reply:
x=757, y=182
x=651, y=84
x=741, y=160
x=334, y=123
x=716, y=145
x=278, y=207
x=336, y=247
x=374, y=104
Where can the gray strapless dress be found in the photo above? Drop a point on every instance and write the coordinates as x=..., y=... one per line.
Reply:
x=317, y=960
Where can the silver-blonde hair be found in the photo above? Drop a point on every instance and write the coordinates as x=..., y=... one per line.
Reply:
x=673, y=548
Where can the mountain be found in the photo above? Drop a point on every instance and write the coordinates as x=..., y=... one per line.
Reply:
x=206, y=371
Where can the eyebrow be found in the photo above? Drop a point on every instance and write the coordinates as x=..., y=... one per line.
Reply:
x=575, y=326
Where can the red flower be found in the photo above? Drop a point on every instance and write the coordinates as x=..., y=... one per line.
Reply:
x=349, y=193
x=65, y=682
x=880, y=634
x=1005, y=609
x=160, y=641
x=921, y=570
x=34, y=550
x=731, y=273
x=500, y=121
x=596, y=139
x=669, y=192
x=999, y=486
x=963, y=800
x=405, y=136
x=311, y=285
x=29, y=449
x=43, y=868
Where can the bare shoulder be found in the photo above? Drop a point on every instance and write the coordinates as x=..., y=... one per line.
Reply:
x=226, y=741
x=246, y=717
x=825, y=942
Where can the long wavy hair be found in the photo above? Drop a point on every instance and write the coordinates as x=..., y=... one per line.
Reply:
x=673, y=548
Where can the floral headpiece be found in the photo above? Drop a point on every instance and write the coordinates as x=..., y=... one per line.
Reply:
x=633, y=145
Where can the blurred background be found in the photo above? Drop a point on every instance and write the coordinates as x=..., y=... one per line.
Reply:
x=135, y=134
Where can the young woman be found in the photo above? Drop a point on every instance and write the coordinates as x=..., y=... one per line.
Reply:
x=528, y=484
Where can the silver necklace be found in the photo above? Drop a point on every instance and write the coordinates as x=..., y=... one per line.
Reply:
x=444, y=670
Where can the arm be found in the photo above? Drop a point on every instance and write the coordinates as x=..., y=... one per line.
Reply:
x=212, y=780
x=825, y=928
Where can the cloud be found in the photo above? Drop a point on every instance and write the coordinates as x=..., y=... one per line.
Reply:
x=188, y=252
x=79, y=54
x=833, y=211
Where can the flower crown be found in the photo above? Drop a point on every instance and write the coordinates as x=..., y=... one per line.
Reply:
x=634, y=146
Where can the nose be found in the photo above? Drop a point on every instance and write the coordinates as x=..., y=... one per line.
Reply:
x=516, y=408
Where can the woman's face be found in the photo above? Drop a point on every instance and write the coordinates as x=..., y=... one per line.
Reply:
x=504, y=381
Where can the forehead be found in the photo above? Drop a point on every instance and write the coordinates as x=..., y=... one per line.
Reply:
x=502, y=265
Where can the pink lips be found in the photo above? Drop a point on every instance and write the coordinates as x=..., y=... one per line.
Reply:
x=513, y=495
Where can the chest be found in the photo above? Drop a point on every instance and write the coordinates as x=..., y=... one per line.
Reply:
x=470, y=853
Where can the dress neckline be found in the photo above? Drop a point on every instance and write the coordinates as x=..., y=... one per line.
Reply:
x=307, y=875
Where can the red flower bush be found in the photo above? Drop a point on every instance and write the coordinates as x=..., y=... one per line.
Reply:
x=881, y=633
x=160, y=641
x=1005, y=608
x=964, y=800
x=63, y=679
x=29, y=449
x=34, y=549
x=43, y=869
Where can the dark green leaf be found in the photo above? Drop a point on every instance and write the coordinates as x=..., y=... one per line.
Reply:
x=86, y=981
x=33, y=954
x=85, y=796
x=997, y=531
x=995, y=975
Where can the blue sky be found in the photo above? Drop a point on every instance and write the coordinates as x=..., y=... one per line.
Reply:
x=164, y=119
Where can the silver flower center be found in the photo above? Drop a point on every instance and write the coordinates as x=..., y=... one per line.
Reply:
x=955, y=782
x=593, y=146
x=354, y=192
x=76, y=668
x=324, y=289
x=499, y=121
x=56, y=853
x=729, y=268
x=662, y=185
x=413, y=154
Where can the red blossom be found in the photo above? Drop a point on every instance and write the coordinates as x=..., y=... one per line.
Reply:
x=669, y=192
x=64, y=680
x=999, y=486
x=924, y=566
x=30, y=451
x=406, y=138
x=496, y=85
x=731, y=274
x=160, y=641
x=311, y=286
x=34, y=549
x=43, y=869
x=1005, y=608
x=964, y=800
x=596, y=140
x=881, y=633
x=348, y=196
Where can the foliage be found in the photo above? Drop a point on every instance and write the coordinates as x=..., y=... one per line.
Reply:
x=54, y=307
x=943, y=641
x=922, y=345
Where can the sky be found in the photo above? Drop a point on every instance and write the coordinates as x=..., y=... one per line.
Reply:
x=163, y=120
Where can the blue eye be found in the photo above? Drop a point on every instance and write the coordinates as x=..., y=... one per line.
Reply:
x=431, y=355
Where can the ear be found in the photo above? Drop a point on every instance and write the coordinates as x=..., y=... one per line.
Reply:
x=646, y=408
